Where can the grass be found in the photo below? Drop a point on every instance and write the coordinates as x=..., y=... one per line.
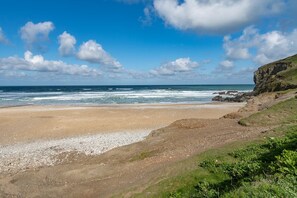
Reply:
x=266, y=169
x=291, y=59
x=289, y=75
x=190, y=173
x=261, y=168
x=284, y=79
x=282, y=113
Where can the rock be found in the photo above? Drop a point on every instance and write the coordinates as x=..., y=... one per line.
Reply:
x=217, y=98
x=277, y=76
x=220, y=93
x=238, y=97
x=231, y=92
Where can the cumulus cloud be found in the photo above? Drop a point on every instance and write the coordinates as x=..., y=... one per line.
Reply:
x=37, y=63
x=227, y=64
x=67, y=44
x=215, y=16
x=33, y=33
x=225, y=67
x=3, y=38
x=261, y=48
x=94, y=53
x=180, y=65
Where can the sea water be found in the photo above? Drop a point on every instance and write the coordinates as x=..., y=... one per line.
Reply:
x=103, y=95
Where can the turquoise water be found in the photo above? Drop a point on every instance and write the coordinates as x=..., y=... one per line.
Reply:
x=100, y=95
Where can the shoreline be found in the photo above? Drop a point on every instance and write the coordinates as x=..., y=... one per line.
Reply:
x=134, y=105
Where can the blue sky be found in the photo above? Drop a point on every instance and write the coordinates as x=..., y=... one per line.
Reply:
x=142, y=41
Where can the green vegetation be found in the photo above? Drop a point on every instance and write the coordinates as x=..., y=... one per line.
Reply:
x=290, y=59
x=277, y=76
x=260, y=170
x=190, y=173
x=289, y=75
x=281, y=113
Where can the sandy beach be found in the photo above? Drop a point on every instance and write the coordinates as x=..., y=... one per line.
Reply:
x=33, y=136
x=106, y=150
x=30, y=123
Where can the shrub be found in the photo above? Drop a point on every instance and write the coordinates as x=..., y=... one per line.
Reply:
x=286, y=163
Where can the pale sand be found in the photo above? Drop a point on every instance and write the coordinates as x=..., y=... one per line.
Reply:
x=30, y=123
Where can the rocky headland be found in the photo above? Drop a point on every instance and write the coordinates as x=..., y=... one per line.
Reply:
x=277, y=76
x=280, y=75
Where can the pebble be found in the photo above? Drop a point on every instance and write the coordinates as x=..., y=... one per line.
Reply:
x=45, y=152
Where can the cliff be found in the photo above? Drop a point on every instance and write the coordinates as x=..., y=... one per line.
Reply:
x=276, y=76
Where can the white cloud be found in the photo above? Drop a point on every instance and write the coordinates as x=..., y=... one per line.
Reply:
x=227, y=64
x=3, y=39
x=12, y=74
x=246, y=72
x=225, y=67
x=261, y=48
x=37, y=63
x=33, y=33
x=275, y=45
x=149, y=13
x=67, y=44
x=94, y=53
x=215, y=16
x=178, y=66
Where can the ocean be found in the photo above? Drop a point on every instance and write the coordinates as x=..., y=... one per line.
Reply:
x=104, y=95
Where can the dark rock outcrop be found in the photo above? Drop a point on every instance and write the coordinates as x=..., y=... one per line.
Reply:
x=276, y=76
x=233, y=96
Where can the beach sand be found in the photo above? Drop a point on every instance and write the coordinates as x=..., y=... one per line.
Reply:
x=62, y=151
x=30, y=123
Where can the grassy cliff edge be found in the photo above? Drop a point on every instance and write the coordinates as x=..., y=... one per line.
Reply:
x=276, y=76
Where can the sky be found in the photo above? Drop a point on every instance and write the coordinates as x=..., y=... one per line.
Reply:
x=130, y=42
